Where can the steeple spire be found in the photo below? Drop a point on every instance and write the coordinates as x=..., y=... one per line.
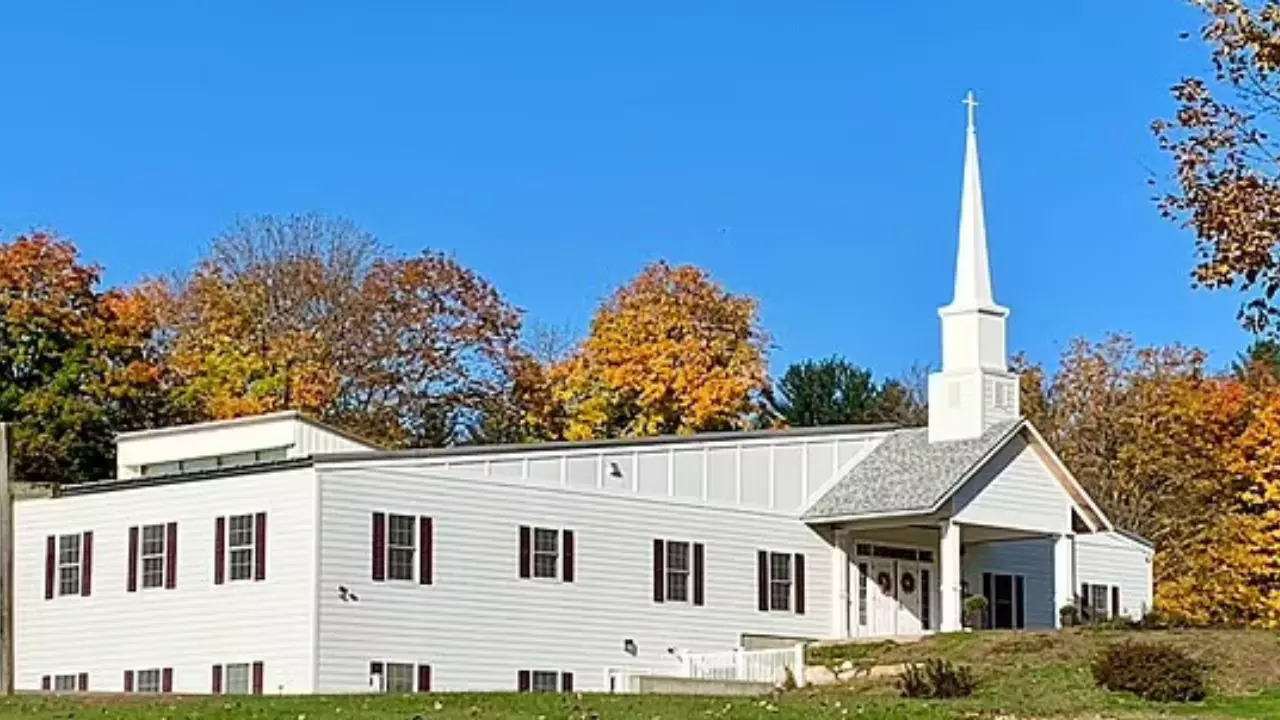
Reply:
x=973, y=272
x=974, y=388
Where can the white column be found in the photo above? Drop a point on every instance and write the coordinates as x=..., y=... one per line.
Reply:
x=949, y=577
x=1064, y=574
x=841, y=622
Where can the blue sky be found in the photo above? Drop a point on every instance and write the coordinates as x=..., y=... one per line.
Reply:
x=808, y=154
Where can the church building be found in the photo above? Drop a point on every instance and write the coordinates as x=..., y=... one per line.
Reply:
x=272, y=554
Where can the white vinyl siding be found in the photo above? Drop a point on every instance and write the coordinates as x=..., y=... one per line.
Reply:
x=1112, y=559
x=1015, y=489
x=197, y=624
x=570, y=627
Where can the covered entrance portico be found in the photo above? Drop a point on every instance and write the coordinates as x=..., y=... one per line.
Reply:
x=910, y=577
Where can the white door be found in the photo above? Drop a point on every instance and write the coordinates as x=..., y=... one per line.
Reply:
x=909, y=593
x=882, y=602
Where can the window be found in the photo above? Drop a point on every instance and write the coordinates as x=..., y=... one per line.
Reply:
x=926, y=596
x=152, y=556
x=149, y=681
x=69, y=565
x=238, y=679
x=1094, y=601
x=400, y=544
x=213, y=462
x=64, y=683
x=1005, y=596
x=397, y=677
x=240, y=543
x=544, y=681
x=402, y=548
x=779, y=581
x=862, y=593
x=546, y=553
x=678, y=568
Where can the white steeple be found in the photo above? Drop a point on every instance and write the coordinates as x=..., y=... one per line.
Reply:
x=975, y=388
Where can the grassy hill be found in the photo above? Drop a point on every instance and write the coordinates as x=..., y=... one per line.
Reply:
x=1021, y=675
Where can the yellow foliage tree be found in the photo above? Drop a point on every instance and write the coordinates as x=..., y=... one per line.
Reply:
x=670, y=352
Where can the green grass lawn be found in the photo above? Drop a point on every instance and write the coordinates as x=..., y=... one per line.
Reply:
x=1021, y=675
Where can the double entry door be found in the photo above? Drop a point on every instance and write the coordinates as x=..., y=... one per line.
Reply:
x=894, y=595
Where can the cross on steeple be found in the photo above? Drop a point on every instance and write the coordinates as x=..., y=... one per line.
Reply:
x=972, y=103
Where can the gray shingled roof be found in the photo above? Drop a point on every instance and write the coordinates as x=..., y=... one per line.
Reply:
x=906, y=472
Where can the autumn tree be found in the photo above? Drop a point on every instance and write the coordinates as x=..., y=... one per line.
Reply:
x=76, y=362
x=672, y=351
x=1221, y=139
x=834, y=391
x=1141, y=428
x=313, y=313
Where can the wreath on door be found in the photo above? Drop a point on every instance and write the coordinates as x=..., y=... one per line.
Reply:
x=908, y=583
x=885, y=581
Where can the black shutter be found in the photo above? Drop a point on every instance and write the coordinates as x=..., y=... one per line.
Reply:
x=171, y=556
x=566, y=682
x=82, y=682
x=426, y=552
x=378, y=547
x=699, y=569
x=659, y=571
x=1084, y=604
x=762, y=580
x=988, y=615
x=1115, y=600
x=86, y=563
x=215, y=681
x=522, y=677
x=1019, y=603
x=132, y=583
x=569, y=559
x=260, y=547
x=424, y=678
x=526, y=552
x=798, y=583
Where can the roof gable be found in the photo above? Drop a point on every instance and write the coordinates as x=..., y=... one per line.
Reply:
x=906, y=473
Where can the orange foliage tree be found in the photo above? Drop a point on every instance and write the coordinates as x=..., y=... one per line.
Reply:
x=312, y=313
x=670, y=352
x=76, y=362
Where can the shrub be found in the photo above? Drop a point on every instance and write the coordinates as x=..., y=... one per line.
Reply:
x=936, y=679
x=1151, y=671
x=975, y=609
x=1069, y=615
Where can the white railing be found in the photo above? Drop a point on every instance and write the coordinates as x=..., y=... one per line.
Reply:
x=754, y=665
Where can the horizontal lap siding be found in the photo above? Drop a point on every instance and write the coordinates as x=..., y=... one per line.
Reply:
x=189, y=628
x=480, y=622
x=1033, y=559
x=1015, y=490
x=1110, y=559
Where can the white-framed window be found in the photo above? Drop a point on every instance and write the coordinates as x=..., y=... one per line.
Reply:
x=152, y=555
x=399, y=677
x=149, y=681
x=213, y=462
x=69, y=559
x=238, y=679
x=779, y=581
x=1099, y=601
x=64, y=683
x=544, y=681
x=678, y=571
x=240, y=546
x=546, y=553
x=401, y=543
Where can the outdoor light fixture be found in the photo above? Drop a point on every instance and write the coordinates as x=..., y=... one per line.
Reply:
x=629, y=646
x=614, y=470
